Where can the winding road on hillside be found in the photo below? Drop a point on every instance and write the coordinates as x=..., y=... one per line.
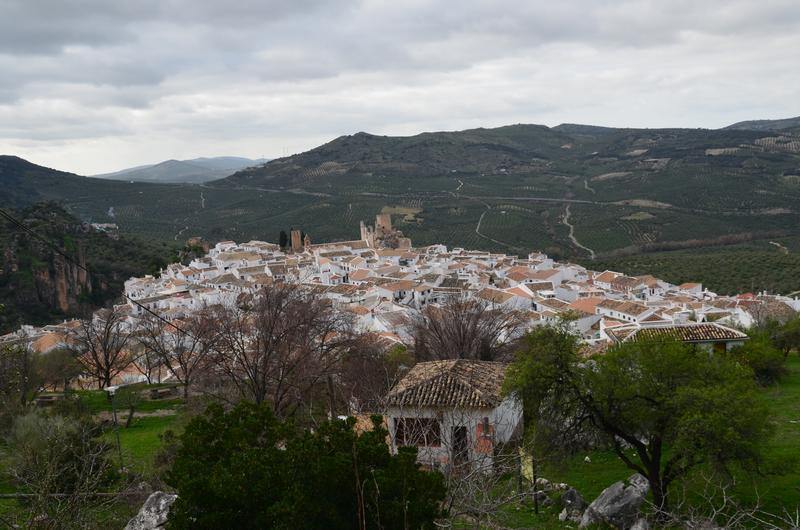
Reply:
x=478, y=227
x=565, y=220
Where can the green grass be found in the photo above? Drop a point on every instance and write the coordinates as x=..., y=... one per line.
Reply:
x=141, y=441
x=97, y=400
x=7, y=506
x=775, y=489
x=780, y=487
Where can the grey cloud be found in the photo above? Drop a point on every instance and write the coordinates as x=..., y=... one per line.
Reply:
x=202, y=72
x=47, y=26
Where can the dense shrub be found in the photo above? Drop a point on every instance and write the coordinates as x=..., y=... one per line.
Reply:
x=762, y=357
x=245, y=469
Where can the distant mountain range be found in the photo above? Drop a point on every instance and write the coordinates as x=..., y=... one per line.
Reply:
x=194, y=171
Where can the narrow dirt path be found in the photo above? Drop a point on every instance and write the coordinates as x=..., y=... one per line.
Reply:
x=565, y=220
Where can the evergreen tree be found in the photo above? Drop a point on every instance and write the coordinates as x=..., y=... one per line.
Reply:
x=663, y=407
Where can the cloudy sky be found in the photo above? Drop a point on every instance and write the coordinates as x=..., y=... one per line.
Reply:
x=97, y=85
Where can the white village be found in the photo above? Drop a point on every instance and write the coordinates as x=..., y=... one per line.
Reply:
x=384, y=287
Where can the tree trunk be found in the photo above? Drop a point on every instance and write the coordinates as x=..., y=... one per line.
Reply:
x=659, y=492
x=331, y=398
x=131, y=411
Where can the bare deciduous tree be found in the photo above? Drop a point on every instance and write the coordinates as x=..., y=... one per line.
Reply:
x=183, y=348
x=465, y=328
x=370, y=367
x=145, y=361
x=101, y=345
x=18, y=381
x=57, y=368
x=714, y=505
x=280, y=345
x=17, y=378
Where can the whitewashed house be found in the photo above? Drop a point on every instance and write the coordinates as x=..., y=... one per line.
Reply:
x=454, y=412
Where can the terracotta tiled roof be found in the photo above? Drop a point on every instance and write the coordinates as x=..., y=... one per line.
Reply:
x=360, y=274
x=493, y=295
x=553, y=303
x=606, y=277
x=622, y=283
x=655, y=317
x=540, y=286
x=518, y=276
x=626, y=307
x=519, y=291
x=453, y=383
x=585, y=305
x=702, y=332
x=544, y=274
x=402, y=285
x=648, y=279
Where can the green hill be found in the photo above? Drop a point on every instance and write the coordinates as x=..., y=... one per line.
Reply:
x=787, y=124
x=575, y=191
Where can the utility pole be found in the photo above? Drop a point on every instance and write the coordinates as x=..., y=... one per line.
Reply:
x=110, y=393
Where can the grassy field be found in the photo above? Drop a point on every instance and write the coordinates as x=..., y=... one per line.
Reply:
x=779, y=487
x=97, y=400
x=141, y=441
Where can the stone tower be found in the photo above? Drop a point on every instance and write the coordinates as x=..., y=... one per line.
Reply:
x=383, y=224
x=297, y=241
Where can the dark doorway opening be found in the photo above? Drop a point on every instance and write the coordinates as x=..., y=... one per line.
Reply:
x=460, y=446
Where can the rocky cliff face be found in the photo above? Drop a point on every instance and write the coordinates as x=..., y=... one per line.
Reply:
x=62, y=283
x=36, y=280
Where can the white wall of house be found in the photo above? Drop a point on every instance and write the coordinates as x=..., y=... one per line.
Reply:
x=503, y=419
